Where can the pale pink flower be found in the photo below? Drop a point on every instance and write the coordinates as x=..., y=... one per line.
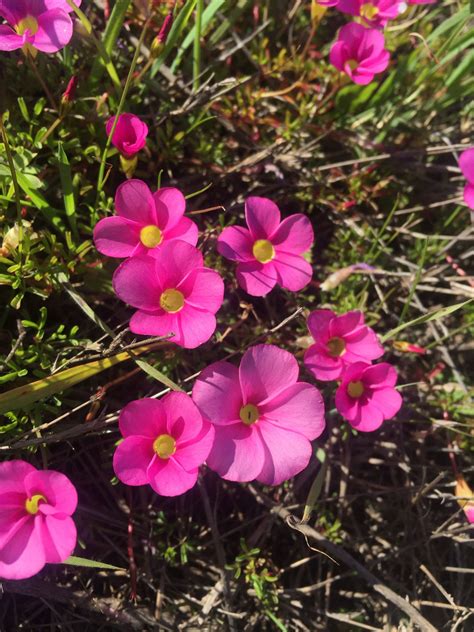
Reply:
x=359, y=52
x=264, y=418
x=174, y=293
x=44, y=25
x=375, y=13
x=165, y=443
x=129, y=135
x=269, y=251
x=144, y=221
x=36, y=527
x=367, y=395
x=338, y=342
x=466, y=164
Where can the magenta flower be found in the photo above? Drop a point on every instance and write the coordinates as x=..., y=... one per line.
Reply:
x=174, y=293
x=359, y=52
x=375, y=13
x=338, y=342
x=466, y=164
x=269, y=251
x=165, y=443
x=367, y=395
x=129, y=135
x=144, y=221
x=36, y=527
x=264, y=418
x=44, y=25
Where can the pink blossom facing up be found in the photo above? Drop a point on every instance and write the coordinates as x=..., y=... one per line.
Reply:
x=374, y=13
x=359, y=52
x=264, y=418
x=165, y=443
x=36, y=527
x=145, y=221
x=129, y=135
x=44, y=25
x=338, y=342
x=466, y=164
x=173, y=292
x=367, y=396
x=269, y=251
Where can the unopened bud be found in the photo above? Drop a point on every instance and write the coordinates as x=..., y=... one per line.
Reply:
x=68, y=96
x=160, y=40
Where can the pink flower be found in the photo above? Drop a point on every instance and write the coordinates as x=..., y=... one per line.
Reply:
x=35, y=523
x=339, y=341
x=41, y=24
x=359, y=52
x=144, y=221
x=129, y=135
x=374, y=13
x=269, y=252
x=165, y=443
x=173, y=292
x=466, y=164
x=264, y=418
x=367, y=395
x=421, y=1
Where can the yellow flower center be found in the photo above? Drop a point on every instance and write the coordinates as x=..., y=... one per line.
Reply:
x=249, y=414
x=352, y=63
x=32, y=504
x=164, y=446
x=369, y=11
x=172, y=301
x=27, y=24
x=263, y=250
x=151, y=236
x=336, y=347
x=355, y=389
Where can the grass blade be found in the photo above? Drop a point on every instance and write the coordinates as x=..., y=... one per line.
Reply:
x=68, y=189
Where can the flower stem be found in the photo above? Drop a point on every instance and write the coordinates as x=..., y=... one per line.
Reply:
x=197, y=45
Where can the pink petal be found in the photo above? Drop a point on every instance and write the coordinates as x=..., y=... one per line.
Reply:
x=183, y=418
x=204, y=289
x=217, y=393
x=469, y=195
x=193, y=454
x=185, y=230
x=13, y=10
x=117, y=237
x=318, y=323
x=170, y=205
x=238, y=452
x=133, y=200
x=323, y=366
x=60, y=493
x=286, y=453
x=346, y=405
x=24, y=555
x=157, y=323
x=294, y=235
x=256, y=278
x=9, y=40
x=363, y=345
x=135, y=282
x=175, y=260
x=194, y=327
x=60, y=4
x=299, y=408
x=143, y=417
x=338, y=55
x=293, y=272
x=168, y=478
x=380, y=375
x=265, y=371
x=368, y=419
x=58, y=536
x=235, y=243
x=131, y=460
x=12, y=476
x=54, y=31
x=466, y=164
x=12, y=520
x=262, y=216
x=361, y=79
x=345, y=323
x=388, y=401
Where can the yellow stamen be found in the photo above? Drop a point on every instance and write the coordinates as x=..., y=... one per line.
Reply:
x=369, y=11
x=172, y=301
x=32, y=504
x=27, y=24
x=263, y=250
x=355, y=389
x=249, y=414
x=151, y=236
x=164, y=446
x=336, y=347
x=352, y=63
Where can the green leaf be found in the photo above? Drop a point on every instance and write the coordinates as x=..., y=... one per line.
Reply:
x=178, y=27
x=83, y=561
x=68, y=189
x=111, y=33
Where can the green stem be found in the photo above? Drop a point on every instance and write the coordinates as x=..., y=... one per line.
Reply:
x=197, y=45
x=100, y=180
x=16, y=188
